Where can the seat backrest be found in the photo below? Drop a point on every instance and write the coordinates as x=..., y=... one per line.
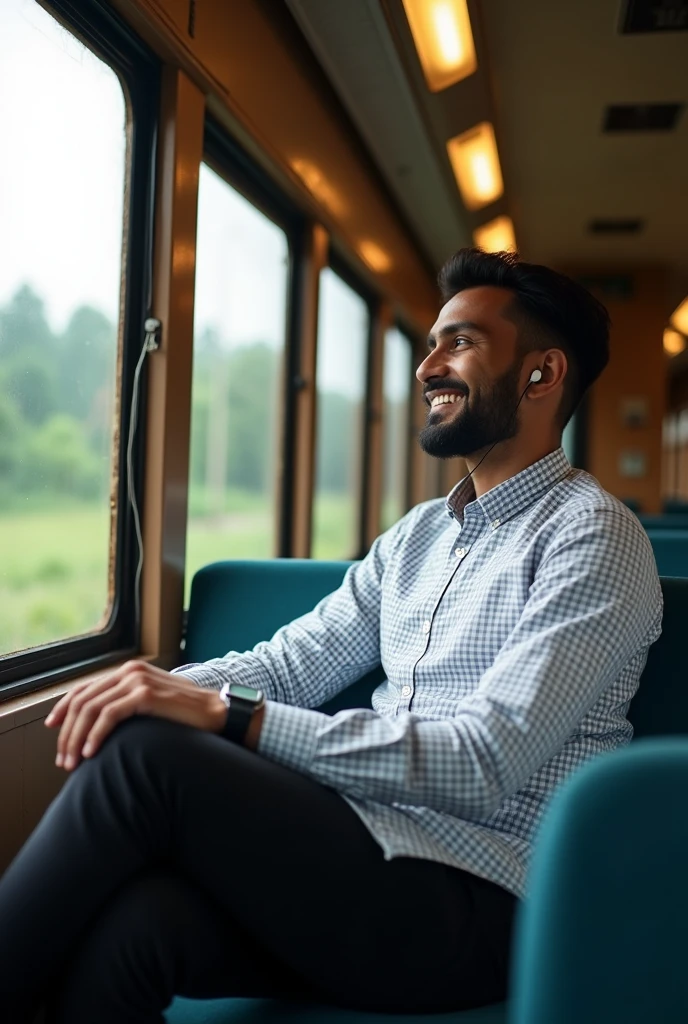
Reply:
x=675, y=505
x=670, y=549
x=660, y=707
x=674, y=521
x=236, y=604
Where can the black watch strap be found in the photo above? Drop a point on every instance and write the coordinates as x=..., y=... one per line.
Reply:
x=241, y=702
x=239, y=715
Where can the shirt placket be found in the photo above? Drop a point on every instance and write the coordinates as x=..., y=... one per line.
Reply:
x=461, y=546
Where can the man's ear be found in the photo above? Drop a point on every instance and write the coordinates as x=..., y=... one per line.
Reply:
x=554, y=366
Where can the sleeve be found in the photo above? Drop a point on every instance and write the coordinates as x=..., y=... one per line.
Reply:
x=594, y=603
x=318, y=654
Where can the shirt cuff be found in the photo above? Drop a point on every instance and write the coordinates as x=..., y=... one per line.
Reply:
x=289, y=735
x=242, y=668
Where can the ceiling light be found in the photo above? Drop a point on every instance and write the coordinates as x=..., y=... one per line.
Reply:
x=475, y=162
x=376, y=257
x=441, y=30
x=318, y=185
x=679, y=318
x=673, y=342
x=496, y=236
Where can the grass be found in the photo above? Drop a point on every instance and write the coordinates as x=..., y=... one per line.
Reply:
x=53, y=575
x=54, y=564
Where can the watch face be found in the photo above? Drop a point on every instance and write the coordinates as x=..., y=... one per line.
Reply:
x=247, y=692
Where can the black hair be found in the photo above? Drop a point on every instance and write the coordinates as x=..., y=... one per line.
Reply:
x=549, y=310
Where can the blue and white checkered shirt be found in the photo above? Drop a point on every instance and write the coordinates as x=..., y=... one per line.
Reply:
x=512, y=629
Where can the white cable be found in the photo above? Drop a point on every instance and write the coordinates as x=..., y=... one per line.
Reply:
x=150, y=344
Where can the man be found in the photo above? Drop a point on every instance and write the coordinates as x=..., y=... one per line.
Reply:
x=374, y=858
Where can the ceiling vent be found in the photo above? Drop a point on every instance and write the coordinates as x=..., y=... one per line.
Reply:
x=641, y=117
x=654, y=16
x=616, y=226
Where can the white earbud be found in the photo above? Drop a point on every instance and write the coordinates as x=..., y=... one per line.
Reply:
x=535, y=376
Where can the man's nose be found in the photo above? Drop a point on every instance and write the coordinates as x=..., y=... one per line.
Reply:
x=434, y=365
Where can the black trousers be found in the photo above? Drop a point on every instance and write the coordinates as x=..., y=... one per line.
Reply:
x=177, y=863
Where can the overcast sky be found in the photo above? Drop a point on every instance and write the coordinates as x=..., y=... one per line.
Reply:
x=61, y=177
x=62, y=121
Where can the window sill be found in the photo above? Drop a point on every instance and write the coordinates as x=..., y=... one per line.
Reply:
x=30, y=707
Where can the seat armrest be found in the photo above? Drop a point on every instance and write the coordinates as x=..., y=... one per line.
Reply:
x=602, y=934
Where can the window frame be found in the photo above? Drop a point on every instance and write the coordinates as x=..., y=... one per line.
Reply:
x=104, y=32
x=340, y=265
x=412, y=339
x=227, y=158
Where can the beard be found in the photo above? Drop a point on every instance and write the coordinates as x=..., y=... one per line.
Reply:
x=490, y=418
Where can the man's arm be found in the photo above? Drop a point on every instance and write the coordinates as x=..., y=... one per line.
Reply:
x=594, y=604
x=317, y=655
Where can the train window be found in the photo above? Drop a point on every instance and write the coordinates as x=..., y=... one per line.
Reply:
x=242, y=282
x=63, y=118
x=343, y=331
x=396, y=425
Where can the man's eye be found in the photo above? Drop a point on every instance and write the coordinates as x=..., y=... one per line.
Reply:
x=457, y=340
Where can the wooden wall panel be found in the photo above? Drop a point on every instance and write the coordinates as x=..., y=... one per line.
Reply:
x=29, y=783
x=637, y=368
x=11, y=766
x=314, y=257
x=376, y=408
x=170, y=368
x=42, y=780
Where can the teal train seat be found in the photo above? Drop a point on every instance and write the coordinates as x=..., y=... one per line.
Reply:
x=612, y=842
x=235, y=605
x=672, y=521
x=670, y=549
x=675, y=505
x=602, y=939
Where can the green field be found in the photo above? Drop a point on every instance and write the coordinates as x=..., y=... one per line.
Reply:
x=54, y=564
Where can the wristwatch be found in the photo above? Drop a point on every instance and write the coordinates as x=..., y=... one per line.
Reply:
x=241, y=703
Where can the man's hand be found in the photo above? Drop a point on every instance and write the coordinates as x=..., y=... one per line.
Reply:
x=90, y=711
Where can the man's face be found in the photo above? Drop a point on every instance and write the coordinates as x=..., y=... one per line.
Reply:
x=470, y=376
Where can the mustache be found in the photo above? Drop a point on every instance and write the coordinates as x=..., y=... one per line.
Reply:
x=444, y=384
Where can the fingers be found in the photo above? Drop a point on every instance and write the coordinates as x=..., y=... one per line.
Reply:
x=97, y=719
x=79, y=706
x=90, y=711
x=56, y=716
x=83, y=703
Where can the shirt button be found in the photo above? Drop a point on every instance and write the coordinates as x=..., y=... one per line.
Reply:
x=426, y=626
x=496, y=523
x=405, y=691
x=460, y=552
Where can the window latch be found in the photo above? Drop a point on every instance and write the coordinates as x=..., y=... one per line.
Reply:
x=153, y=329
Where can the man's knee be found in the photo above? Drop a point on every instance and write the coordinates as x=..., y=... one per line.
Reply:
x=145, y=734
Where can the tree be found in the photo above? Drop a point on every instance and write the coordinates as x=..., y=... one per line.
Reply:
x=23, y=326
x=253, y=399
x=87, y=362
x=235, y=402
x=59, y=461
x=339, y=431
x=32, y=384
x=10, y=443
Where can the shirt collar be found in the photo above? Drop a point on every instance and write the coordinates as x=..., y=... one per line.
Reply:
x=513, y=495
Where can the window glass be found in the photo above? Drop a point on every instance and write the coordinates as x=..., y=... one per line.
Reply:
x=396, y=425
x=343, y=328
x=63, y=123
x=242, y=278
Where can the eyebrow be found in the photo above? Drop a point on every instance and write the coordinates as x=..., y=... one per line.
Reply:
x=458, y=325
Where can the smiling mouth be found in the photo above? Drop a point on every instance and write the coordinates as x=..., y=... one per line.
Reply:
x=447, y=399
